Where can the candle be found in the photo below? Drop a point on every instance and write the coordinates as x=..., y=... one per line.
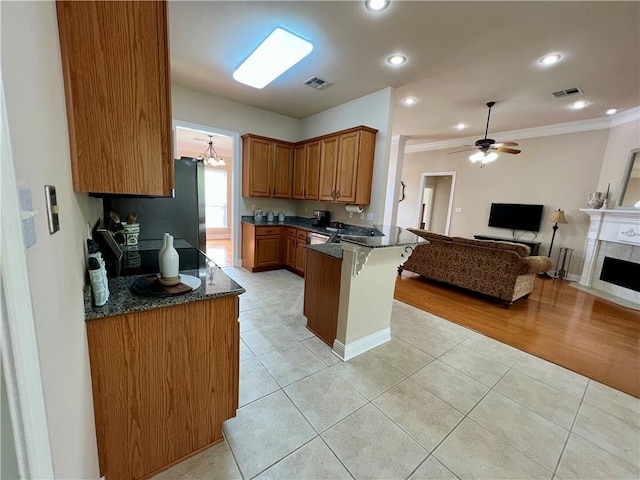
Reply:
x=606, y=197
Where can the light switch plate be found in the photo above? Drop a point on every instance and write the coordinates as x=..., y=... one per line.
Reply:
x=52, y=208
x=26, y=208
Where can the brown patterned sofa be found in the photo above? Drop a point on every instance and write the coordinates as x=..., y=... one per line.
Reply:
x=499, y=269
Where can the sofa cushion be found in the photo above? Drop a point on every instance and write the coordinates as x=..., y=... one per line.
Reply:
x=519, y=248
x=429, y=235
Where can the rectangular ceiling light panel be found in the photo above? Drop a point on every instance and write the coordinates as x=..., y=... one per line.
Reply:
x=279, y=52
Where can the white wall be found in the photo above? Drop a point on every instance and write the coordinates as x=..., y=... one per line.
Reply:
x=211, y=110
x=557, y=171
x=375, y=111
x=32, y=76
x=622, y=139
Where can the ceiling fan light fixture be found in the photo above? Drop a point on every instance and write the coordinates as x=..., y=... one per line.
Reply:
x=376, y=5
x=397, y=59
x=490, y=157
x=550, y=59
x=280, y=51
x=483, y=157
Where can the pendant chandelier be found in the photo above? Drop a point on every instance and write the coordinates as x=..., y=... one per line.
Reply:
x=210, y=155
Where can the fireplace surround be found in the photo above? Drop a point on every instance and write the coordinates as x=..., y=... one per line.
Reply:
x=614, y=234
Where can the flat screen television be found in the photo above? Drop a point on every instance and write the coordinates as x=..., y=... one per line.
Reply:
x=515, y=216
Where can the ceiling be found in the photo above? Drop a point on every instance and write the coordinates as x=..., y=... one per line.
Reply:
x=460, y=56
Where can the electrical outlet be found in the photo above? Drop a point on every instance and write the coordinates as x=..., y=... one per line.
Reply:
x=253, y=207
x=458, y=210
x=362, y=215
x=350, y=214
x=370, y=217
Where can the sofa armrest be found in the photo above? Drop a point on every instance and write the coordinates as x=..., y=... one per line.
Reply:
x=535, y=264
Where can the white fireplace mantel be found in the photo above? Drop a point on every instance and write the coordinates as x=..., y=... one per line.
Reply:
x=608, y=225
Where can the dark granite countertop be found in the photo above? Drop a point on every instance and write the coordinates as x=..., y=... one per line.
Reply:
x=392, y=237
x=215, y=283
x=330, y=249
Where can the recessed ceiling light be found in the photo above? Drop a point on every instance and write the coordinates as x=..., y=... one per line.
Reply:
x=376, y=5
x=580, y=104
x=461, y=126
x=550, y=59
x=612, y=111
x=409, y=101
x=397, y=59
x=280, y=51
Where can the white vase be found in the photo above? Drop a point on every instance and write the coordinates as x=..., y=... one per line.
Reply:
x=163, y=247
x=170, y=262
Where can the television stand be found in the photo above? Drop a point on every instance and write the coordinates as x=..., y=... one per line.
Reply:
x=534, y=246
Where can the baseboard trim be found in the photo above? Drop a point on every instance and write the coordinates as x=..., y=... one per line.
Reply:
x=364, y=344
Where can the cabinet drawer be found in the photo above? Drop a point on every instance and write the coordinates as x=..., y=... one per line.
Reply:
x=267, y=231
x=301, y=235
x=291, y=232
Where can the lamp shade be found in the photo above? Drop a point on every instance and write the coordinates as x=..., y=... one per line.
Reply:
x=558, y=217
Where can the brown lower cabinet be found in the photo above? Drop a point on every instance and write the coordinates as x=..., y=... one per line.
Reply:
x=322, y=294
x=295, y=257
x=163, y=382
x=272, y=247
x=261, y=247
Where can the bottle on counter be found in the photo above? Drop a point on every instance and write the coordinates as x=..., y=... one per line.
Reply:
x=170, y=264
x=281, y=217
x=165, y=239
x=270, y=216
x=98, y=277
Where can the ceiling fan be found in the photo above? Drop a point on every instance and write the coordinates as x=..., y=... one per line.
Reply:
x=487, y=147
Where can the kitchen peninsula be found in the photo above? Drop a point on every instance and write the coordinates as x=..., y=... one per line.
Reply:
x=164, y=371
x=359, y=319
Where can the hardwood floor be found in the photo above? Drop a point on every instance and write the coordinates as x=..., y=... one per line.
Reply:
x=220, y=251
x=559, y=323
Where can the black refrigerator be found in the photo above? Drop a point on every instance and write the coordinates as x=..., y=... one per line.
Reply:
x=182, y=215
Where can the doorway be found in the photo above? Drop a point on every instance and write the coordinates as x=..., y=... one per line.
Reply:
x=435, y=202
x=219, y=206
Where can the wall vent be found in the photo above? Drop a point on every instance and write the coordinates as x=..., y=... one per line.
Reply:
x=568, y=92
x=317, y=83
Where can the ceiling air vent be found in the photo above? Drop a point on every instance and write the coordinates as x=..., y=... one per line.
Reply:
x=568, y=92
x=317, y=83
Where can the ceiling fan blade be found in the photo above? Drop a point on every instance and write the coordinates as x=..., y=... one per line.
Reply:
x=506, y=150
x=458, y=151
x=506, y=144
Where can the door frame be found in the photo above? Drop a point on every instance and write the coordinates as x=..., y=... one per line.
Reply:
x=18, y=344
x=235, y=223
x=423, y=181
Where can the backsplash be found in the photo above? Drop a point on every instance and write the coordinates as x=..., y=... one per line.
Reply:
x=302, y=208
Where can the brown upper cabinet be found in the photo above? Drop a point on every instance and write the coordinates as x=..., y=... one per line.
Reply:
x=266, y=167
x=115, y=63
x=306, y=171
x=337, y=167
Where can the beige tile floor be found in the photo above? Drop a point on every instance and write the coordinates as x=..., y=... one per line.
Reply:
x=437, y=401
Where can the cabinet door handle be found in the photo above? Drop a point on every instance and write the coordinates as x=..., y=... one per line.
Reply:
x=338, y=194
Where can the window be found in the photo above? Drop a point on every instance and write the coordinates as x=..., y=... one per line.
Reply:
x=215, y=186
